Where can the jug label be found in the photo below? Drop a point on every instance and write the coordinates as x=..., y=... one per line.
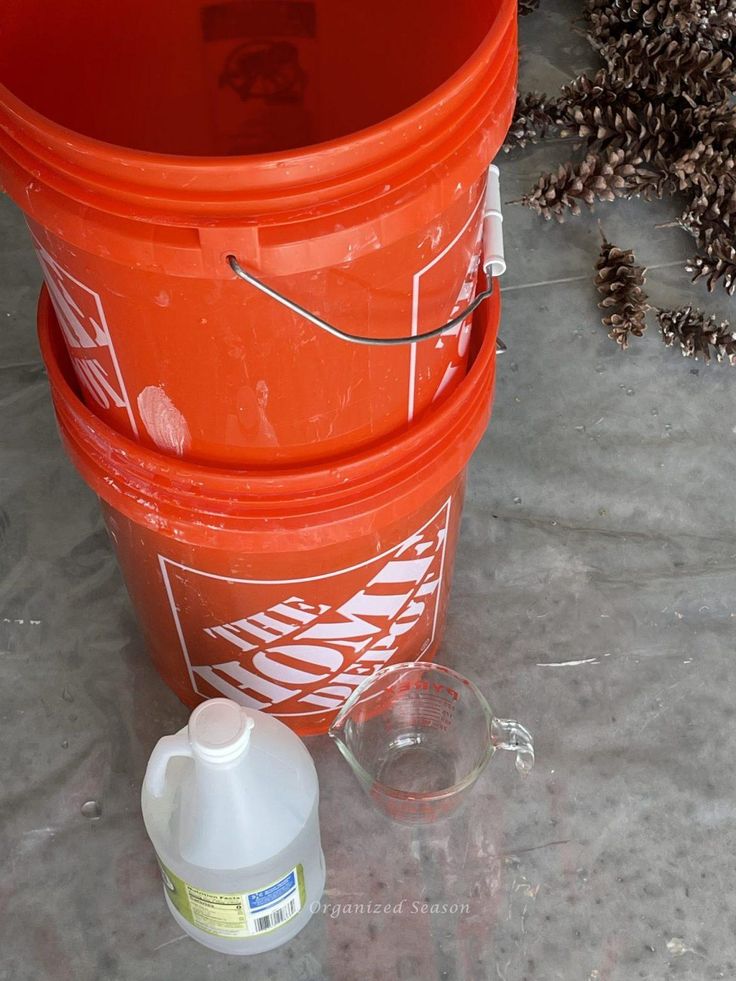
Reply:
x=301, y=647
x=238, y=914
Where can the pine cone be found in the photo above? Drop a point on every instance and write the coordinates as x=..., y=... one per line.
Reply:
x=534, y=116
x=659, y=130
x=659, y=118
x=704, y=229
x=704, y=168
x=527, y=7
x=597, y=178
x=718, y=264
x=620, y=282
x=709, y=22
x=610, y=20
x=716, y=123
x=721, y=24
x=650, y=181
x=586, y=92
x=707, y=159
x=697, y=334
x=661, y=66
x=712, y=217
x=648, y=133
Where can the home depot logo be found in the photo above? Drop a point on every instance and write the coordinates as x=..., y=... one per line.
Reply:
x=301, y=646
x=84, y=326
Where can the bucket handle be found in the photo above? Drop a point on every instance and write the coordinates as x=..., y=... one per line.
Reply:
x=494, y=265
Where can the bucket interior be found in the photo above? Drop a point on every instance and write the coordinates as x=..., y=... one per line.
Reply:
x=232, y=77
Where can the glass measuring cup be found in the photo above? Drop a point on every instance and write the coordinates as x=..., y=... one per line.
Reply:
x=418, y=736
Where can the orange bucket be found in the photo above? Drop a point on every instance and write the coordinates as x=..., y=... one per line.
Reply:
x=283, y=590
x=338, y=150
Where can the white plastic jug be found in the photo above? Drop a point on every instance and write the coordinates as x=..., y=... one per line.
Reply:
x=230, y=804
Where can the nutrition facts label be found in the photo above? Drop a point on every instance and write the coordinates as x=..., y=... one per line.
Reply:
x=242, y=914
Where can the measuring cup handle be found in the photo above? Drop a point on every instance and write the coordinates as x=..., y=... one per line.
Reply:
x=511, y=735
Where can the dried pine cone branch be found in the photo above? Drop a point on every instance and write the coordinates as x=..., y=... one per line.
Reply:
x=711, y=218
x=672, y=144
x=647, y=133
x=661, y=65
x=597, y=178
x=706, y=160
x=650, y=181
x=703, y=167
x=717, y=265
x=697, y=334
x=534, y=116
x=657, y=119
x=586, y=92
x=620, y=282
x=715, y=123
x=709, y=22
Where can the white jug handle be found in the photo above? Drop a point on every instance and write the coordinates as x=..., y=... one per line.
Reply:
x=164, y=750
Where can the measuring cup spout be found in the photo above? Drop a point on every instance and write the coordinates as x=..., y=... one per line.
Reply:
x=338, y=726
x=342, y=733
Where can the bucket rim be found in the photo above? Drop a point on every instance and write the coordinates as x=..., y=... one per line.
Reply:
x=437, y=447
x=187, y=190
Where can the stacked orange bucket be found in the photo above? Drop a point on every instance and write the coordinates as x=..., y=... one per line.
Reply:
x=248, y=214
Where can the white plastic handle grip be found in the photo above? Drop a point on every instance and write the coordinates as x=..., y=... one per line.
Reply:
x=165, y=749
x=493, y=254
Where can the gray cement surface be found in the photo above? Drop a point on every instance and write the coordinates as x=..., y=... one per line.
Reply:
x=594, y=599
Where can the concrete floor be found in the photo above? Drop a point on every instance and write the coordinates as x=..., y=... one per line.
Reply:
x=593, y=600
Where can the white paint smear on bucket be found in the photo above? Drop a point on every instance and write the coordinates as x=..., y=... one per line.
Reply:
x=164, y=423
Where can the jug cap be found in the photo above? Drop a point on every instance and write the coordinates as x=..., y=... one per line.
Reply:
x=219, y=730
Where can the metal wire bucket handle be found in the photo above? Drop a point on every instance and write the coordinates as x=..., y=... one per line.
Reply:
x=494, y=265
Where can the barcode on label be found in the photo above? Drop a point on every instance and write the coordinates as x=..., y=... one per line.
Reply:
x=276, y=917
